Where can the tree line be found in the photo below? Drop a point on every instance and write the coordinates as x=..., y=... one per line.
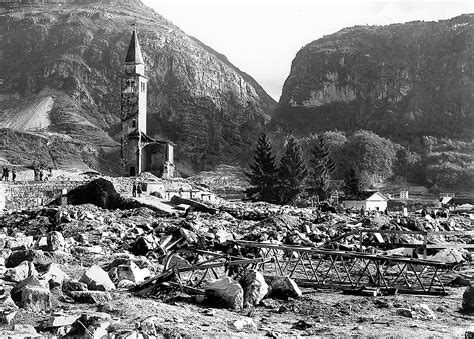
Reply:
x=293, y=177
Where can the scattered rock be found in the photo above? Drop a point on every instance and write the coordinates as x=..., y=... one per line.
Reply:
x=301, y=325
x=55, y=276
x=255, y=287
x=126, y=284
x=97, y=279
x=90, y=297
x=132, y=273
x=55, y=241
x=74, y=285
x=247, y=325
x=283, y=287
x=422, y=311
x=22, y=271
x=226, y=290
x=468, y=299
x=36, y=299
x=92, y=325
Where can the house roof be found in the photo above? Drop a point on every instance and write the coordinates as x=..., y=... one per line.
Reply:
x=134, y=53
x=370, y=195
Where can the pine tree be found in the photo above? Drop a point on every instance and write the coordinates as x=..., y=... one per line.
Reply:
x=263, y=175
x=292, y=173
x=321, y=167
x=351, y=184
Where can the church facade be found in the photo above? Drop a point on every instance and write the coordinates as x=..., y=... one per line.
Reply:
x=139, y=151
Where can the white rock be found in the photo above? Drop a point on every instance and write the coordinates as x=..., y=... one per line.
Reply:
x=55, y=276
x=132, y=272
x=255, y=287
x=97, y=279
x=22, y=271
x=245, y=324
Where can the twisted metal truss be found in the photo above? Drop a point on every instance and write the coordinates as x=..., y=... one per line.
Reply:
x=324, y=268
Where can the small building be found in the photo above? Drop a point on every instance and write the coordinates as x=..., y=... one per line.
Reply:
x=403, y=195
x=368, y=201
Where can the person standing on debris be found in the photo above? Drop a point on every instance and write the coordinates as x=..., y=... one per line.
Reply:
x=13, y=174
x=7, y=173
x=3, y=173
x=41, y=174
x=134, y=189
x=139, y=189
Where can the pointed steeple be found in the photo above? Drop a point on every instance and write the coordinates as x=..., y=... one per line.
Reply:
x=134, y=54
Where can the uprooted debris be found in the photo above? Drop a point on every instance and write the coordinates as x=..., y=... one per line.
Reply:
x=106, y=246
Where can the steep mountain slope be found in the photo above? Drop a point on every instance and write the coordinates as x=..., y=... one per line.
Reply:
x=61, y=72
x=401, y=81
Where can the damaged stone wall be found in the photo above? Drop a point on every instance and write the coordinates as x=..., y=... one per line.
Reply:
x=20, y=195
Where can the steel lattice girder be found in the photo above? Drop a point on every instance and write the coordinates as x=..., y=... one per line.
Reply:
x=352, y=269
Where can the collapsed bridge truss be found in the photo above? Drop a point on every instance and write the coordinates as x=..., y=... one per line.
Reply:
x=308, y=266
x=329, y=268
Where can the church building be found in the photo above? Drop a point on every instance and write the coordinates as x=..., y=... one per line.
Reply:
x=139, y=151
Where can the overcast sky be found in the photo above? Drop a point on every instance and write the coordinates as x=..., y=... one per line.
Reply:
x=261, y=37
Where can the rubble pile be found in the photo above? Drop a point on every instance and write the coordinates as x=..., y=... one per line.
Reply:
x=87, y=253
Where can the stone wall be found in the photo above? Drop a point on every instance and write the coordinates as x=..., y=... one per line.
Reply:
x=25, y=194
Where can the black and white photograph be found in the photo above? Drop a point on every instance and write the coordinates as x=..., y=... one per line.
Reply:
x=236, y=169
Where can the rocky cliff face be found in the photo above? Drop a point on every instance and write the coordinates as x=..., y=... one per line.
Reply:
x=400, y=81
x=70, y=58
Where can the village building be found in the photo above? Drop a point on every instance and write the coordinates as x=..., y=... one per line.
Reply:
x=139, y=151
x=403, y=195
x=368, y=201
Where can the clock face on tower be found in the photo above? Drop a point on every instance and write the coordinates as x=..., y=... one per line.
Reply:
x=130, y=69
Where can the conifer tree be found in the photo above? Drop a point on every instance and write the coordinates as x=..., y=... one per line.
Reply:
x=263, y=174
x=321, y=167
x=351, y=184
x=292, y=173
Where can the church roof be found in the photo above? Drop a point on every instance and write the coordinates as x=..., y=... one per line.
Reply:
x=134, y=54
x=148, y=139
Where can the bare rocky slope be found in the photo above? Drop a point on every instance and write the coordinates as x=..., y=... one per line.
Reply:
x=62, y=66
x=401, y=81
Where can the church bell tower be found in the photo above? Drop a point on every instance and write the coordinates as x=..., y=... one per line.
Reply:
x=133, y=108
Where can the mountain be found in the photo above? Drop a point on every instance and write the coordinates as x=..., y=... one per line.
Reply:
x=60, y=87
x=401, y=81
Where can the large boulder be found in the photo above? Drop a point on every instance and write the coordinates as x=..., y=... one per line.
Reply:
x=283, y=287
x=255, y=287
x=99, y=192
x=22, y=271
x=468, y=299
x=102, y=193
x=32, y=294
x=36, y=298
x=226, y=291
x=55, y=241
x=97, y=279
